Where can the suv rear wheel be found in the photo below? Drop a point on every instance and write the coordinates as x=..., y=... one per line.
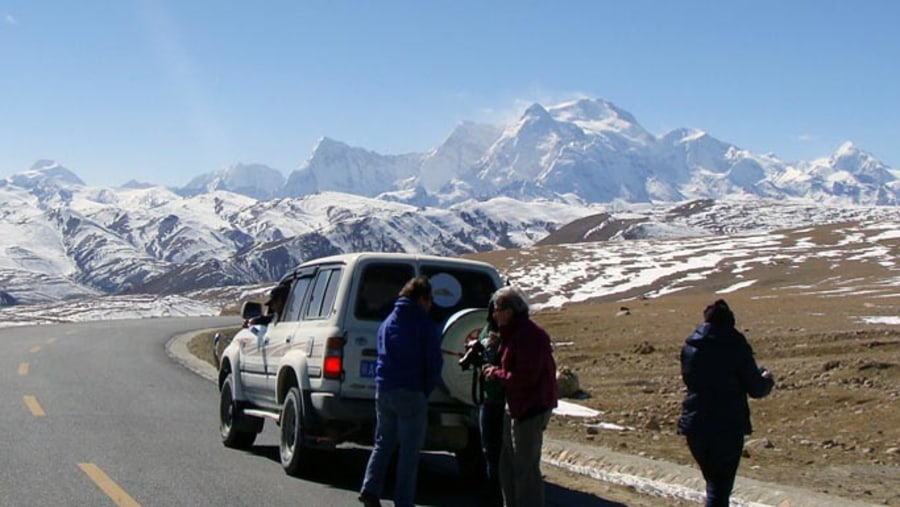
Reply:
x=237, y=430
x=293, y=456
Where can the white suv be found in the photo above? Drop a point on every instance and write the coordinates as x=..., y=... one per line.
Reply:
x=312, y=370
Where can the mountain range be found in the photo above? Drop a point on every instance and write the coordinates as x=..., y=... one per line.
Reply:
x=484, y=188
x=589, y=150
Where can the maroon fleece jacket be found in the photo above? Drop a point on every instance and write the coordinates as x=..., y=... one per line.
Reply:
x=527, y=369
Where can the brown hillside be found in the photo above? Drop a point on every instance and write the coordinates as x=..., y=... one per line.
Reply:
x=823, y=318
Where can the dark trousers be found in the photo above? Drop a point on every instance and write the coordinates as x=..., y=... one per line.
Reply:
x=520, y=460
x=718, y=457
x=490, y=423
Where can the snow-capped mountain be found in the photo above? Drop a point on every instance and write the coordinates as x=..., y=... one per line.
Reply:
x=335, y=166
x=60, y=239
x=253, y=180
x=483, y=188
x=593, y=151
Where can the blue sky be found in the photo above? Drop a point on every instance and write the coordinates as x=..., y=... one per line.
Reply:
x=164, y=90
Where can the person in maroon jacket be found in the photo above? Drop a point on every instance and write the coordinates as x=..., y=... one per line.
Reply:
x=527, y=373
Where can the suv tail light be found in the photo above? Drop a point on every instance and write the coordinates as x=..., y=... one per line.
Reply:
x=334, y=358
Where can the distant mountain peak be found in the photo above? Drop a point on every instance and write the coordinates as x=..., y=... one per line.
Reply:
x=325, y=144
x=44, y=165
x=254, y=180
x=684, y=135
x=44, y=172
x=590, y=110
x=137, y=185
x=536, y=111
x=847, y=148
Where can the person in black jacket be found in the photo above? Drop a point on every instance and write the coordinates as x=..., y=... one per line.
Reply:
x=718, y=368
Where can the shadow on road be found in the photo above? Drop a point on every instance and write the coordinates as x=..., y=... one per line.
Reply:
x=439, y=482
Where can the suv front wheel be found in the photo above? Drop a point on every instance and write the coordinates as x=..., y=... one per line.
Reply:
x=237, y=430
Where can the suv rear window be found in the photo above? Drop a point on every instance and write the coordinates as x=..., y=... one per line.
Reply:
x=457, y=289
x=379, y=286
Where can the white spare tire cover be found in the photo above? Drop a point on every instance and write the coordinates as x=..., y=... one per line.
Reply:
x=461, y=327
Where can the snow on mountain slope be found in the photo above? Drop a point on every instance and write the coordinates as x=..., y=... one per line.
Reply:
x=600, y=117
x=460, y=151
x=555, y=275
x=254, y=180
x=45, y=172
x=129, y=240
x=592, y=149
x=588, y=148
x=335, y=166
x=483, y=188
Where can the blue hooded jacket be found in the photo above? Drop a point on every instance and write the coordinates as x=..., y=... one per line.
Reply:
x=409, y=350
x=718, y=368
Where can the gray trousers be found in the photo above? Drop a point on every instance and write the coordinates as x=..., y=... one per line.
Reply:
x=520, y=460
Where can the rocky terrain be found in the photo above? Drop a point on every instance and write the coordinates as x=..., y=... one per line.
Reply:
x=828, y=328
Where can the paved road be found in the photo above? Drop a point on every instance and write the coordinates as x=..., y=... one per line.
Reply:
x=98, y=414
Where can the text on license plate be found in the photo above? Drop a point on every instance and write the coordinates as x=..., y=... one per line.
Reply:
x=367, y=368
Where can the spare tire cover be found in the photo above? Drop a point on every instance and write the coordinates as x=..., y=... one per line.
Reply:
x=461, y=327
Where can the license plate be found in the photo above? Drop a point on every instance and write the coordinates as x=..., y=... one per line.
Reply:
x=367, y=368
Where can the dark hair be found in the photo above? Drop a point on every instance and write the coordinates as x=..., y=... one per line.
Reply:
x=417, y=288
x=718, y=314
x=280, y=292
x=491, y=322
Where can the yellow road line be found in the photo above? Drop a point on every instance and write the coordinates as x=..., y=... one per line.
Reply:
x=51, y=340
x=35, y=349
x=23, y=368
x=33, y=405
x=108, y=486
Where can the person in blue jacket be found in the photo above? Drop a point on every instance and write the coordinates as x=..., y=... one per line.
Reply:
x=408, y=369
x=718, y=368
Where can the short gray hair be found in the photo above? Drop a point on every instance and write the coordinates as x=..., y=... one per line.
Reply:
x=512, y=298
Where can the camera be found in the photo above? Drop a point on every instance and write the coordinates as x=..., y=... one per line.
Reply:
x=474, y=355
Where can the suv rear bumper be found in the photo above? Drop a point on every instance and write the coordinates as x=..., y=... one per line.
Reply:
x=328, y=406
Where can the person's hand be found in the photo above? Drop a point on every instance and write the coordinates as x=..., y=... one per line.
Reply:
x=487, y=371
x=765, y=373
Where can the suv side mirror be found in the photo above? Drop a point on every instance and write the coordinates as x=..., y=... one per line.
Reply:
x=251, y=309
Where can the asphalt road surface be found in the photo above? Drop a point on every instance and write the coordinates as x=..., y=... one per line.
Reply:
x=97, y=414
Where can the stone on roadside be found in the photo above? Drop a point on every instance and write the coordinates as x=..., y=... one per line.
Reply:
x=759, y=443
x=567, y=382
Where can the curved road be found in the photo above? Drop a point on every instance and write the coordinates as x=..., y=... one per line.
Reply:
x=97, y=414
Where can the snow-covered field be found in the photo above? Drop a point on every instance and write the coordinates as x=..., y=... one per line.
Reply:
x=556, y=275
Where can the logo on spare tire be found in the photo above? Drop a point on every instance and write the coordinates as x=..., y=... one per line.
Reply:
x=446, y=290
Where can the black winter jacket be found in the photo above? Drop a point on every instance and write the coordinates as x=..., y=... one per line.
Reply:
x=718, y=368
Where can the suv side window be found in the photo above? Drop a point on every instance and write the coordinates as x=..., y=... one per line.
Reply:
x=378, y=289
x=457, y=289
x=296, y=298
x=321, y=300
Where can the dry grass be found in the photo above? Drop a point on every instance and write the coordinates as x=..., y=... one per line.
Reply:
x=201, y=345
x=832, y=423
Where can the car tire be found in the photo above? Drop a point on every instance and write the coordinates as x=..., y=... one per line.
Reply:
x=237, y=430
x=293, y=455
